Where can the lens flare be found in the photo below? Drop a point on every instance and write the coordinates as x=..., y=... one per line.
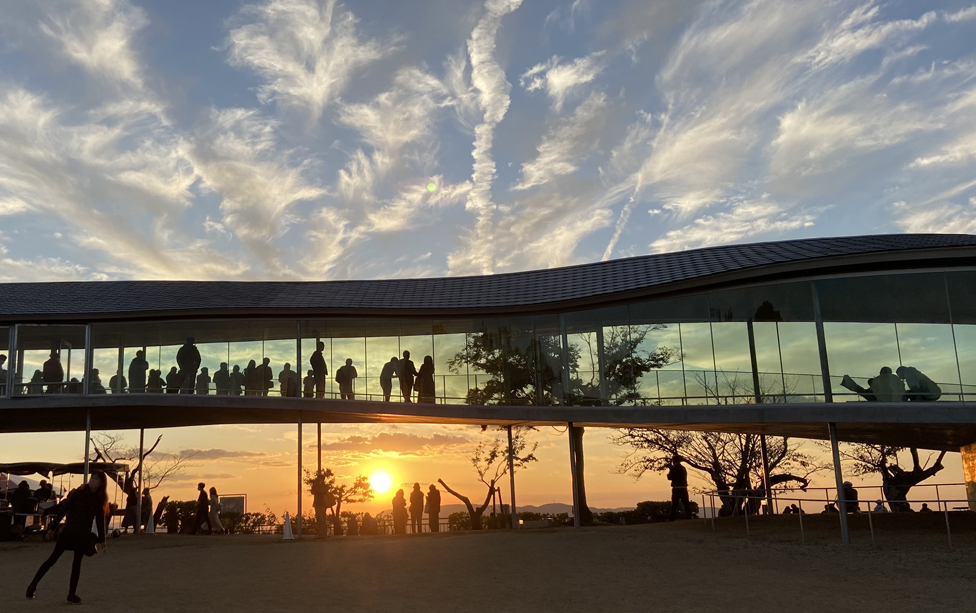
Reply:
x=431, y=187
x=380, y=482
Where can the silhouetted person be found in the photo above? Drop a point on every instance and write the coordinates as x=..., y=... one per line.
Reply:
x=36, y=383
x=147, y=508
x=221, y=380
x=434, y=508
x=237, y=381
x=137, y=373
x=44, y=492
x=888, y=387
x=369, y=527
x=879, y=507
x=399, y=513
x=352, y=525
x=94, y=382
x=920, y=387
x=829, y=508
x=319, y=369
x=787, y=511
x=678, y=476
x=925, y=508
x=345, y=377
x=387, y=375
x=865, y=392
x=73, y=386
x=406, y=373
x=53, y=373
x=188, y=359
x=252, y=376
x=154, y=384
x=22, y=501
x=267, y=377
x=3, y=376
x=416, y=509
x=425, y=381
x=308, y=385
x=288, y=382
x=203, y=510
x=203, y=382
x=118, y=384
x=850, y=497
x=84, y=507
x=322, y=501
x=214, y=518
x=172, y=381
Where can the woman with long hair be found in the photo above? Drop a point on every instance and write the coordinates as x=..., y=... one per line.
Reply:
x=399, y=513
x=85, y=505
x=216, y=525
x=425, y=381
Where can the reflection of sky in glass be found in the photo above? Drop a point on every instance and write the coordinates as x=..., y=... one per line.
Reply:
x=928, y=347
x=966, y=347
x=801, y=358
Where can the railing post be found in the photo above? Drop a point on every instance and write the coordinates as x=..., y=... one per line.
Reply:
x=572, y=465
x=746, y=513
x=803, y=535
x=845, y=534
x=948, y=530
x=871, y=524
x=711, y=510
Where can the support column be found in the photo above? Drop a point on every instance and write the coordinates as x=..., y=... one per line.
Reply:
x=298, y=532
x=845, y=534
x=87, y=440
x=572, y=465
x=511, y=477
x=319, y=447
x=142, y=440
x=757, y=391
x=969, y=471
x=764, y=452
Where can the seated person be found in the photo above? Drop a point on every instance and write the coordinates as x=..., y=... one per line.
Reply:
x=879, y=507
x=850, y=497
x=925, y=508
x=920, y=387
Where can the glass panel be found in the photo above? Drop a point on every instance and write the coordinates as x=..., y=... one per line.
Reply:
x=50, y=360
x=863, y=352
x=382, y=360
x=348, y=354
x=909, y=298
x=479, y=359
x=966, y=348
x=928, y=357
x=416, y=338
x=962, y=296
x=4, y=344
x=778, y=302
x=587, y=344
x=699, y=363
x=802, y=378
x=548, y=360
x=733, y=365
x=449, y=342
x=317, y=358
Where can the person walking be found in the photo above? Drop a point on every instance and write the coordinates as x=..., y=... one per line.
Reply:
x=678, y=476
x=83, y=507
x=317, y=362
x=203, y=510
x=386, y=377
x=399, y=513
x=406, y=373
x=416, y=509
x=425, y=381
x=214, y=518
x=434, y=508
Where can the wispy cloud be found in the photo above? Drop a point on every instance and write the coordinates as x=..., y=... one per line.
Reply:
x=560, y=80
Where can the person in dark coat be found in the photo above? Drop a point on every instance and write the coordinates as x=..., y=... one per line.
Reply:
x=267, y=376
x=319, y=369
x=425, y=381
x=678, y=476
x=252, y=379
x=237, y=381
x=399, y=513
x=53, y=373
x=416, y=509
x=172, y=381
x=387, y=376
x=137, y=373
x=434, y=508
x=84, y=506
x=221, y=380
x=188, y=359
x=154, y=384
x=406, y=374
x=22, y=501
x=203, y=510
x=345, y=377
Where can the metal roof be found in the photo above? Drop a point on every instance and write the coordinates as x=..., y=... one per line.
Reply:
x=502, y=292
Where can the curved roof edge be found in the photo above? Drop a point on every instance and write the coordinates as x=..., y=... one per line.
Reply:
x=557, y=288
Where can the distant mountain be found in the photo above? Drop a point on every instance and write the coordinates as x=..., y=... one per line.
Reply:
x=550, y=508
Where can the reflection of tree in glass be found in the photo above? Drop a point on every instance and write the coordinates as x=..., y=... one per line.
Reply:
x=732, y=462
x=625, y=364
x=896, y=482
x=737, y=387
x=517, y=375
x=490, y=461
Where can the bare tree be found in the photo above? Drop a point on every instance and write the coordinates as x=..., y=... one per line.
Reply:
x=896, y=481
x=344, y=493
x=490, y=461
x=156, y=467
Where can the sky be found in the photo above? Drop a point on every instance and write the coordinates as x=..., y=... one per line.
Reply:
x=317, y=140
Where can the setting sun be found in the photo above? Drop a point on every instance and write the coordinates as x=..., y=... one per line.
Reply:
x=380, y=482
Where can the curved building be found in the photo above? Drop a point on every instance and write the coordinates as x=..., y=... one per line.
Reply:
x=876, y=334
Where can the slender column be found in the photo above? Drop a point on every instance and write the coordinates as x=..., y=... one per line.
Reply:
x=572, y=465
x=319, y=446
x=845, y=534
x=142, y=440
x=564, y=362
x=298, y=532
x=821, y=344
x=511, y=477
x=12, y=359
x=757, y=391
x=119, y=388
x=764, y=452
x=602, y=367
x=86, y=372
x=87, y=440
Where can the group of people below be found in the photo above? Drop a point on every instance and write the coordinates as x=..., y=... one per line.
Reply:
x=404, y=510
x=906, y=383
x=188, y=377
x=207, y=512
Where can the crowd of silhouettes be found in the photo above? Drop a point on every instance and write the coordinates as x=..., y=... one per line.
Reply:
x=906, y=383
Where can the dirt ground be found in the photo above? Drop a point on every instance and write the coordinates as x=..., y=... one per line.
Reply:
x=682, y=566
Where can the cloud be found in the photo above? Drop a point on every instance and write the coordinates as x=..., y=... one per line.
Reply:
x=938, y=218
x=566, y=144
x=561, y=80
x=306, y=51
x=395, y=443
x=223, y=454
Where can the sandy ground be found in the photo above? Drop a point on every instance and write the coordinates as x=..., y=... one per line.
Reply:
x=681, y=566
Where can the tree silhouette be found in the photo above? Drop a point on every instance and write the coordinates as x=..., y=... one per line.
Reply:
x=344, y=493
x=896, y=482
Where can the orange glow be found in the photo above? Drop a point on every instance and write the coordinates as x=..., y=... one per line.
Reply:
x=380, y=482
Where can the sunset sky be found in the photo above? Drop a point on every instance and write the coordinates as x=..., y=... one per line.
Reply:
x=317, y=140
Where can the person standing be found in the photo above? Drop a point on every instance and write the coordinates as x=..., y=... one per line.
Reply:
x=434, y=508
x=308, y=385
x=137, y=373
x=172, y=381
x=203, y=382
x=53, y=373
x=154, y=385
x=221, y=380
x=3, y=376
x=214, y=518
x=267, y=376
x=399, y=513
x=288, y=382
x=117, y=383
x=425, y=381
x=252, y=379
x=322, y=501
x=188, y=359
x=678, y=476
x=203, y=510
x=147, y=507
x=317, y=362
x=237, y=381
x=84, y=506
x=345, y=377
x=386, y=377
x=416, y=509
x=406, y=374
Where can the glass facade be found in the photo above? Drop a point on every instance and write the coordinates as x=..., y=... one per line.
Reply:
x=894, y=337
